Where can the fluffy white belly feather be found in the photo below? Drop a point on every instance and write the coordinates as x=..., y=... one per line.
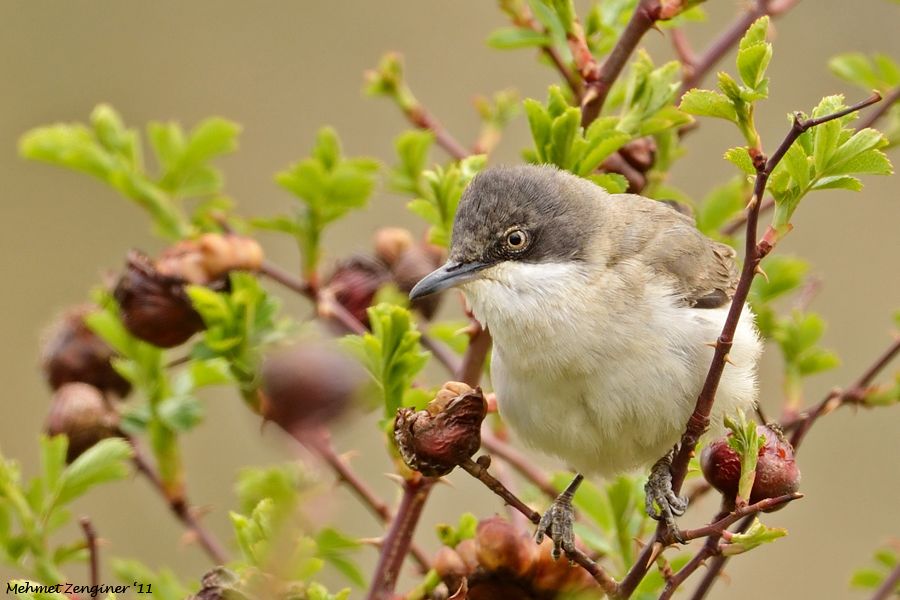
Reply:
x=605, y=386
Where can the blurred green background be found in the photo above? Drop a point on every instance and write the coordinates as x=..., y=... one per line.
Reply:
x=282, y=70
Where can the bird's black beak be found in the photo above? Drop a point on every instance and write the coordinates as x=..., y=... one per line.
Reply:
x=452, y=273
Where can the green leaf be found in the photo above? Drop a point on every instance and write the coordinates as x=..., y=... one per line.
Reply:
x=211, y=138
x=867, y=579
x=53, y=459
x=180, y=413
x=539, y=121
x=279, y=223
x=412, y=148
x=211, y=305
x=562, y=135
x=746, y=442
x=842, y=182
x=611, y=182
x=391, y=353
x=798, y=166
x=826, y=135
x=756, y=535
x=857, y=152
x=168, y=142
x=785, y=274
x=754, y=54
x=740, y=158
x=507, y=38
x=333, y=547
x=722, y=205
x=707, y=103
x=105, y=461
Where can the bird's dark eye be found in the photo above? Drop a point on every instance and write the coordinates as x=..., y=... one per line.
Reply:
x=516, y=239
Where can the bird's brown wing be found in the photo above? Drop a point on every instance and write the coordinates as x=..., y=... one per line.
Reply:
x=702, y=270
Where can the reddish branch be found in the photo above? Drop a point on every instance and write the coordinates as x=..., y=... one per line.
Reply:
x=888, y=587
x=754, y=252
x=321, y=445
x=329, y=308
x=476, y=353
x=835, y=399
x=396, y=543
x=599, y=81
x=91, y=537
x=876, y=114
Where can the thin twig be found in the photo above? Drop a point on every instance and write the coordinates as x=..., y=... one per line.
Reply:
x=519, y=462
x=876, y=114
x=853, y=394
x=91, y=536
x=329, y=308
x=473, y=361
x=180, y=507
x=736, y=515
x=888, y=587
x=526, y=20
x=423, y=119
x=479, y=470
x=320, y=443
x=399, y=536
x=600, y=82
x=741, y=220
x=718, y=563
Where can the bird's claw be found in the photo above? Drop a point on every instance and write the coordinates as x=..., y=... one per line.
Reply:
x=662, y=502
x=556, y=523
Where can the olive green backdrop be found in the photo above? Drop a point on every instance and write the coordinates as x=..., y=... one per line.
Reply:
x=283, y=69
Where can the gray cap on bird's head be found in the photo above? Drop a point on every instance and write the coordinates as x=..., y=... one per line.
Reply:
x=526, y=213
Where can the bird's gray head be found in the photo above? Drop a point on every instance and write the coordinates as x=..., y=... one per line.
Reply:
x=530, y=214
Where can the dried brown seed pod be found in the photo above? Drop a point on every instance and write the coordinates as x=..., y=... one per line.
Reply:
x=450, y=567
x=410, y=267
x=153, y=306
x=229, y=252
x=80, y=413
x=308, y=386
x=436, y=440
x=355, y=282
x=72, y=352
x=390, y=242
x=776, y=471
x=499, y=546
x=467, y=552
x=640, y=153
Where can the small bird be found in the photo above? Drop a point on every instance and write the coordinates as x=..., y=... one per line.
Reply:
x=602, y=308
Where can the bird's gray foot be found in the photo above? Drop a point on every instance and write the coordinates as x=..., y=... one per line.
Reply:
x=662, y=503
x=557, y=521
